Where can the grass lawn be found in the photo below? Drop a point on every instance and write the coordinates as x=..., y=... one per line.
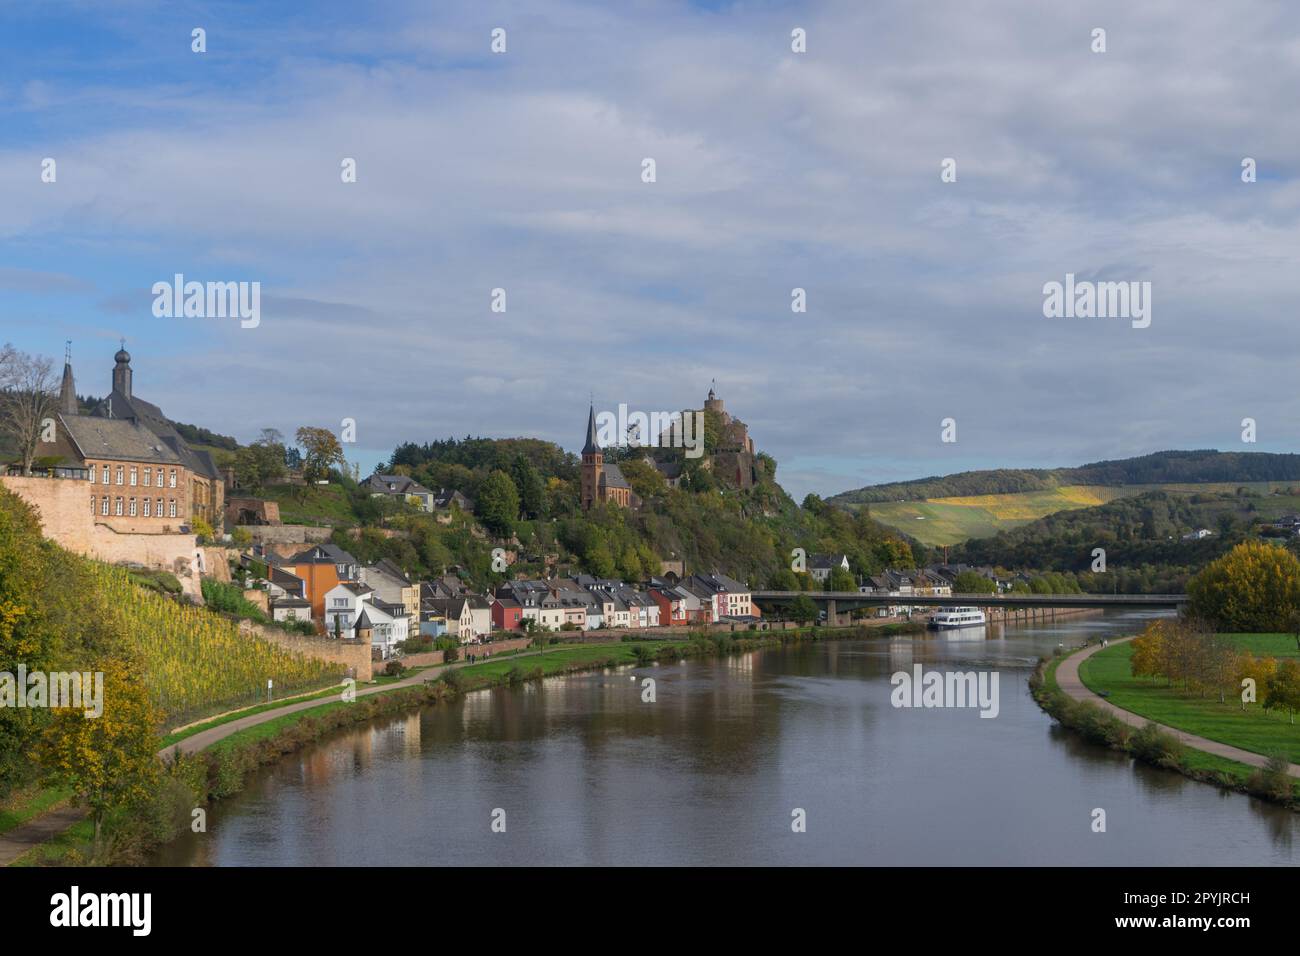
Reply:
x=1254, y=729
x=312, y=504
x=29, y=804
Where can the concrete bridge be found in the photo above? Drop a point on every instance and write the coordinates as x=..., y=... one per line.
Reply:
x=840, y=601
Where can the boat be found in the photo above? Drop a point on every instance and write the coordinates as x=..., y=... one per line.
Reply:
x=949, y=617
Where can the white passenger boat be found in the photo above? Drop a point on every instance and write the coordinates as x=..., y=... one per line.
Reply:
x=949, y=617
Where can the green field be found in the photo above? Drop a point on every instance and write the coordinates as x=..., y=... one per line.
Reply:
x=1254, y=729
x=945, y=521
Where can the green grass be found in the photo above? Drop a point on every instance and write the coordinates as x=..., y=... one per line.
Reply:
x=78, y=838
x=1194, y=760
x=28, y=805
x=325, y=505
x=1254, y=729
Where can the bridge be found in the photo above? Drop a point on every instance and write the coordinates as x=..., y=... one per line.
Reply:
x=839, y=601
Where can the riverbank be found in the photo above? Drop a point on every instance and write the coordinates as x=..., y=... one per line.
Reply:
x=213, y=761
x=1058, y=689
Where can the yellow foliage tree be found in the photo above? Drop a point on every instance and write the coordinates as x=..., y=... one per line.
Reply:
x=1254, y=587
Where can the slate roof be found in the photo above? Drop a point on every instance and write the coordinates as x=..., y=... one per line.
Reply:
x=118, y=407
x=122, y=439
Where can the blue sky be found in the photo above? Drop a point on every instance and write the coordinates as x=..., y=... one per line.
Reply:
x=775, y=170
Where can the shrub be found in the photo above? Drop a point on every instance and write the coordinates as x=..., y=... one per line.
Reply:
x=1272, y=780
x=1157, y=746
x=395, y=669
x=453, y=679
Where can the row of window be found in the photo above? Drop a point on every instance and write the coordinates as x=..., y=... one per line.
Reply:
x=150, y=509
x=132, y=476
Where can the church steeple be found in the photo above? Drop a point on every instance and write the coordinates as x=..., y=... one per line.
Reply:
x=68, y=390
x=592, y=447
x=122, y=372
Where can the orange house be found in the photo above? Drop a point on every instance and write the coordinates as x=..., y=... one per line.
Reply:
x=322, y=567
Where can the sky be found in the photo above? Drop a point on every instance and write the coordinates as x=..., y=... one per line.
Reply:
x=774, y=170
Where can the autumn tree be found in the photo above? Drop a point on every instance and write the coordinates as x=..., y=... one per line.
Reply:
x=321, y=451
x=1282, y=691
x=1254, y=587
x=108, y=761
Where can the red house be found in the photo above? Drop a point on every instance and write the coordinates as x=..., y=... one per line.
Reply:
x=672, y=606
x=507, y=614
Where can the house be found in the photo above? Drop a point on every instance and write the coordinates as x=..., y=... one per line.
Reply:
x=507, y=614
x=821, y=565
x=393, y=585
x=1200, y=534
x=390, y=625
x=732, y=599
x=322, y=567
x=447, y=497
x=402, y=488
x=672, y=602
x=342, y=606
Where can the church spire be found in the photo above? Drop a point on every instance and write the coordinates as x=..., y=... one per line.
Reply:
x=592, y=447
x=68, y=390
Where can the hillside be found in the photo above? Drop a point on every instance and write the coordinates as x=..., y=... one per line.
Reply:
x=1159, y=468
x=1141, y=535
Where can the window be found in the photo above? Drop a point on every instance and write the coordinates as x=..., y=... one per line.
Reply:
x=148, y=510
x=158, y=510
x=121, y=475
x=131, y=508
x=103, y=505
x=171, y=508
x=117, y=505
x=134, y=476
x=171, y=479
x=106, y=478
x=92, y=471
x=92, y=502
x=148, y=477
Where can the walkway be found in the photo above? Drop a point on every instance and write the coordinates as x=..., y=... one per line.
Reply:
x=1067, y=676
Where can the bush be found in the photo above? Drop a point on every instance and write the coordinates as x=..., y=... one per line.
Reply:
x=1272, y=780
x=1157, y=747
x=395, y=669
x=453, y=679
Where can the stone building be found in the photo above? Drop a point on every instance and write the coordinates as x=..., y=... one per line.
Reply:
x=601, y=482
x=145, y=477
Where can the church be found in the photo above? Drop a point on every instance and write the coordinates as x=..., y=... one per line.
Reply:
x=602, y=482
x=144, y=477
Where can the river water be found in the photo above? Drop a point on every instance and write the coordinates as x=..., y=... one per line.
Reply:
x=581, y=770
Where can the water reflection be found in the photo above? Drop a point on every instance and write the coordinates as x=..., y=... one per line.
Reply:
x=591, y=773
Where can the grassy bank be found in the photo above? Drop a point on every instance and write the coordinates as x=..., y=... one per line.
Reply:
x=1252, y=728
x=1154, y=746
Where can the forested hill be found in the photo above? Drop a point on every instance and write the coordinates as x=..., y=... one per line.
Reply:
x=1163, y=467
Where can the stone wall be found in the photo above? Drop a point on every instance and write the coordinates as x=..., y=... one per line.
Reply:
x=301, y=534
x=353, y=655
x=63, y=507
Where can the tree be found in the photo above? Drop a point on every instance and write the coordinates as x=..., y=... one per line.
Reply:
x=27, y=401
x=972, y=582
x=803, y=609
x=497, y=504
x=108, y=761
x=257, y=465
x=1148, y=651
x=1254, y=587
x=532, y=493
x=841, y=580
x=1283, y=688
x=322, y=451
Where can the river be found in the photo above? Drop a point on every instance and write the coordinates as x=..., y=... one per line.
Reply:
x=581, y=770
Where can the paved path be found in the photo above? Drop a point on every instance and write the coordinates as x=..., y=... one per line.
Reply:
x=1067, y=676
x=24, y=837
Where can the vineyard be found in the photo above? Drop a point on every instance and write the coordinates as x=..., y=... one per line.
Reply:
x=195, y=662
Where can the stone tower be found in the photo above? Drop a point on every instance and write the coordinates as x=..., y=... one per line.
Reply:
x=593, y=463
x=122, y=371
x=68, y=390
